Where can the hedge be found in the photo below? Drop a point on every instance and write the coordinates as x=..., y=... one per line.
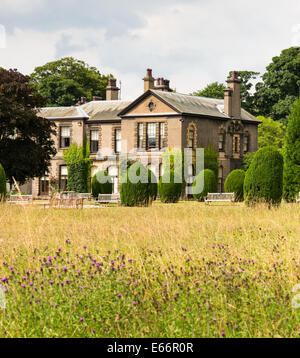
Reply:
x=101, y=183
x=136, y=187
x=210, y=184
x=169, y=191
x=291, y=172
x=79, y=166
x=234, y=183
x=263, y=179
x=2, y=183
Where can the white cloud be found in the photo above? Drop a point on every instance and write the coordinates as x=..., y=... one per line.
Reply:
x=190, y=43
x=21, y=6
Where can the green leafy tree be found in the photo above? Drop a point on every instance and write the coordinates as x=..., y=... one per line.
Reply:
x=2, y=183
x=234, y=183
x=79, y=166
x=64, y=81
x=280, y=87
x=263, y=179
x=291, y=174
x=26, y=144
x=247, y=160
x=216, y=89
x=212, y=90
x=270, y=133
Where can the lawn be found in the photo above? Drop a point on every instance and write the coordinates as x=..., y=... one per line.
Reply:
x=171, y=270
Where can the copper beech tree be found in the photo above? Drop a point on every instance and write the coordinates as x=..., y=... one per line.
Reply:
x=26, y=146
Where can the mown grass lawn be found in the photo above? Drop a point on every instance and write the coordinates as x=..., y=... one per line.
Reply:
x=171, y=270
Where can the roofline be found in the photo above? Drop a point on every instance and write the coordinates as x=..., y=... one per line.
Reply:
x=64, y=118
x=141, y=97
x=100, y=121
x=167, y=114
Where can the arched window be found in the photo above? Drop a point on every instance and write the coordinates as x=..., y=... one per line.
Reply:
x=191, y=136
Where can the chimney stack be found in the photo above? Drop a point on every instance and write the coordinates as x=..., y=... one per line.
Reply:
x=97, y=98
x=163, y=85
x=148, y=80
x=112, y=91
x=232, y=96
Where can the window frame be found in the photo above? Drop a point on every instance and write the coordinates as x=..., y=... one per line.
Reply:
x=63, y=178
x=154, y=126
x=162, y=134
x=62, y=138
x=118, y=141
x=191, y=130
x=140, y=136
x=93, y=141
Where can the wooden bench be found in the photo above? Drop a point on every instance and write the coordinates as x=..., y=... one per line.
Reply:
x=76, y=203
x=20, y=199
x=219, y=197
x=109, y=198
x=298, y=198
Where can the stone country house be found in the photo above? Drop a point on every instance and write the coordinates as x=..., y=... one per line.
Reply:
x=159, y=118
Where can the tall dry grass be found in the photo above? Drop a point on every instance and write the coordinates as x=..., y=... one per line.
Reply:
x=171, y=234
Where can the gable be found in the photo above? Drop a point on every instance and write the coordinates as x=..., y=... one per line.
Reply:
x=157, y=106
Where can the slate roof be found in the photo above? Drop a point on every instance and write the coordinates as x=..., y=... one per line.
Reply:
x=60, y=112
x=95, y=110
x=112, y=110
x=188, y=104
x=104, y=110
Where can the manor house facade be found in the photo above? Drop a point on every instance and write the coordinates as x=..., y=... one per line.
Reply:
x=156, y=120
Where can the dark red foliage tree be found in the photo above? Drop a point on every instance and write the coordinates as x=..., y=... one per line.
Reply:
x=26, y=142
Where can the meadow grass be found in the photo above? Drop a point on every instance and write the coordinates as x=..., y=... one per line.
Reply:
x=170, y=270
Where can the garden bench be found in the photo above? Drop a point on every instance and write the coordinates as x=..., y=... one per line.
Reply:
x=216, y=197
x=66, y=203
x=20, y=199
x=85, y=196
x=109, y=198
x=74, y=195
x=298, y=198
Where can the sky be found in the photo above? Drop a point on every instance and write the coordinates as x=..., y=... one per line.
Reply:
x=190, y=42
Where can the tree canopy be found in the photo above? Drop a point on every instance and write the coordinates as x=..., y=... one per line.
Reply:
x=270, y=133
x=26, y=146
x=280, y=87
x=291, y=173
x=64, y=81
x=212, y=90
x=216, y=89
